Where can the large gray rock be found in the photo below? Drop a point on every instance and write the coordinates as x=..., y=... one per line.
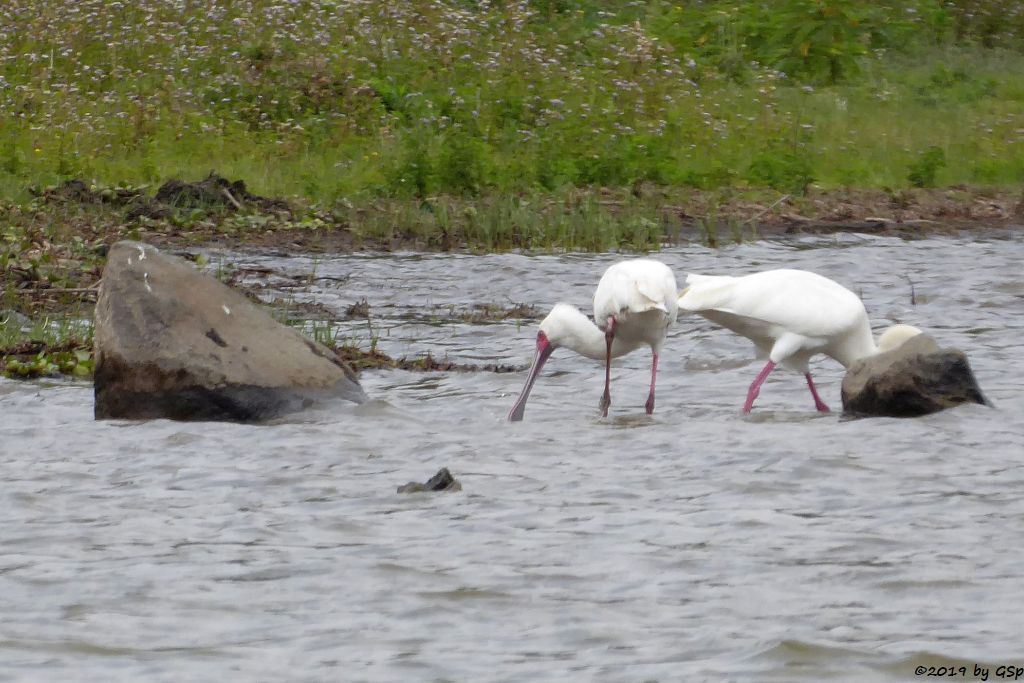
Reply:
x=915, y=378
x=172, y=342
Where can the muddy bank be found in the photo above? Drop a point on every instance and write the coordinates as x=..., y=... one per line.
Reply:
x=374, y=359
x=213, y=192
x=224, y=212
x=54, y=246
x=683, y=216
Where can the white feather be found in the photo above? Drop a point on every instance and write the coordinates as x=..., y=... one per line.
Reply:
x=788, y=314
x=639, y=294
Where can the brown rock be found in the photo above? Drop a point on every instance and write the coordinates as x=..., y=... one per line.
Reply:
x=174, y=343
x=916, y=378
x=442, y=481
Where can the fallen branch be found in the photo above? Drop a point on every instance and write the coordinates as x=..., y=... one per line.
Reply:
x=231, y=198
x=773, y=205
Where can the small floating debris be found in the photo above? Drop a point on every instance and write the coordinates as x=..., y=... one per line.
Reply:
x=442, y=481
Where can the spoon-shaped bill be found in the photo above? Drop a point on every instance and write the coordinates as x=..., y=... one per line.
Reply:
x=544, y=349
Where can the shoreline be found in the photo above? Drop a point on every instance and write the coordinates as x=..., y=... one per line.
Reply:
x=64, y=240
x=711, y=217
x=56, y=244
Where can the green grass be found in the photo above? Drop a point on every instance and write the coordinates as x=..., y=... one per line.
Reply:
x=440, y=124
x=45, y=347
x=345, y=103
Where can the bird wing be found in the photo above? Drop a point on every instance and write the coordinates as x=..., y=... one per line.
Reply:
x=795, y=301
x=636, y=285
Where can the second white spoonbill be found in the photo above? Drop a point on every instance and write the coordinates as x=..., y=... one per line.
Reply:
x=790, y=315
x=635, y=302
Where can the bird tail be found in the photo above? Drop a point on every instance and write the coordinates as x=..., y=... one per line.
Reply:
x=706, y=291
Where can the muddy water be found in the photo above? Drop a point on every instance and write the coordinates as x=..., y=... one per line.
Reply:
x=696, y=544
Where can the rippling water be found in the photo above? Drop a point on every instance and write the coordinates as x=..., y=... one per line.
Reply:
x=696, y=544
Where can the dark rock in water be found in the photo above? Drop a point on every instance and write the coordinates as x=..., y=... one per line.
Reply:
x=916, y=378
x=442, y=481
x=174, y=343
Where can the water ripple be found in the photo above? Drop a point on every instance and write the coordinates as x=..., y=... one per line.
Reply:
x=694, y=544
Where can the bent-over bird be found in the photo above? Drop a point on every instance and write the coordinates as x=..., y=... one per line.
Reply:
x=635, y=302
x=790, y=315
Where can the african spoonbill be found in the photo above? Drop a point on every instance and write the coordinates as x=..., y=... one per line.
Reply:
x=790, y=315
x=635, y=302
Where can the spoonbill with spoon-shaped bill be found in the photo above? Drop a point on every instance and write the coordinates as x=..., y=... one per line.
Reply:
x=790, y=315
x=635, y=302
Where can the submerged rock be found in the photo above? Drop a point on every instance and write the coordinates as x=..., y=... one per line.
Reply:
x=442, y=481
x=915, y=378
x=171, y=342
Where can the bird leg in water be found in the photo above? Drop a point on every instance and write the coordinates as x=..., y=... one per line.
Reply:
x=609, y=335
x=818, y=403
x=755, y=388
x=654, y=374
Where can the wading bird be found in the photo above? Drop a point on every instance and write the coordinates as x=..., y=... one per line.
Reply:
x=635, y=302
x=790, y=315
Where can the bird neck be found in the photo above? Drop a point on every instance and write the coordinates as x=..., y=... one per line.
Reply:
x=862, y=344
x=580, y=334
x=853, y=347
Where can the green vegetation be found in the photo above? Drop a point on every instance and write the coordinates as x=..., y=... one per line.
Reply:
x=344, y=103
x=441, y=124
x=45, y=347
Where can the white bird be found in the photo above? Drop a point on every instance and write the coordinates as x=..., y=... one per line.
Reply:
x=635, y=302
x=790, y=315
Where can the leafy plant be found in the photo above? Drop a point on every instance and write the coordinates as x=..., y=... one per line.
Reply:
x=926, y=167
x=783, y=171
x=462, y=165
x=413, y=173
x=821, y=40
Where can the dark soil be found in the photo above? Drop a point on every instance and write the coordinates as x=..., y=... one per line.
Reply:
x=360, y=359
x=213, y=192
x=904, y=213
x=30, y=347
x=79, y=191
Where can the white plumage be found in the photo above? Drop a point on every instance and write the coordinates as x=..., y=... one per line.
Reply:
x=635, y=302
x=790, y=315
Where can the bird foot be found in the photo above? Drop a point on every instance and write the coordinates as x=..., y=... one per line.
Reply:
x=603, y=406
x=822, y=408
x=649, y=406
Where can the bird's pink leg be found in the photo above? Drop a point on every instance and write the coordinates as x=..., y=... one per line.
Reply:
x=654, y=374
x=818, y=403
x=606, y=399
x=755, y=388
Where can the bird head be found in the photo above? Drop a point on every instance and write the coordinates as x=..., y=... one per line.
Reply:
x=558, y=328
x=567, y=326
x=895, y=336
x=544, y=350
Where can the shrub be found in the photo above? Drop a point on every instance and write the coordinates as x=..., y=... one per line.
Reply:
x=413, y=173
x=923, y=171
x=783, y=171
x=463, y=164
